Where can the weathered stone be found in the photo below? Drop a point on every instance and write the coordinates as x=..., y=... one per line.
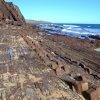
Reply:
x=77, y=86
x=60, y=64
x=1, y=23
x=75, y=52
x=33, y=47
x=91, y=94
x=84, y=78
x=59, y=71
x=98, y=91
x=41, y=55
x=51, y=57
x=66, y=69
x=9, y=13
x=46, y=60
x=84, y=86
x=54, y=65
x=44, y=51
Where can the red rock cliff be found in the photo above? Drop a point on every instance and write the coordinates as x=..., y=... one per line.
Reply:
x=10, y=13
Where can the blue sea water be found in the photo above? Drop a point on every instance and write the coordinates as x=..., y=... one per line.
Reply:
x=81, y=25
x=80, y=29
x=73, y=30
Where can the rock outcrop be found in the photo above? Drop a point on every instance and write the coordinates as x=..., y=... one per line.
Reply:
x=10, y=14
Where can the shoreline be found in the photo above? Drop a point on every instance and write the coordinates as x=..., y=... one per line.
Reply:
x=74, y=30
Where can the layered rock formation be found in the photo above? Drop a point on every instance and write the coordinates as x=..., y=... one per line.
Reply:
x=35, y=66
x=10, y=13
x=25, y=72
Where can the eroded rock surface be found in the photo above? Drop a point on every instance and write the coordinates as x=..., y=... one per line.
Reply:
x=9, y=13
x=25, y=69
x=34, y=66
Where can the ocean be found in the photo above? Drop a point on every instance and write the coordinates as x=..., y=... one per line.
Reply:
x=73, y=30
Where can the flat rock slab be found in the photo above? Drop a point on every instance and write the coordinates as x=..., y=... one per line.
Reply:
x=28, y=77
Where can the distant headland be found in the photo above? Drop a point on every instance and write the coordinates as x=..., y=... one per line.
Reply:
x=37, y=21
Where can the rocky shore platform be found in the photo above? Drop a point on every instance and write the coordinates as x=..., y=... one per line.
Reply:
x=36, y=66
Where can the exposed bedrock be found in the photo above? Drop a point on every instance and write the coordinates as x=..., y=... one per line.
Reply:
x=10, y=14
x=95, y=37
x=75, y=61
x=75, y=51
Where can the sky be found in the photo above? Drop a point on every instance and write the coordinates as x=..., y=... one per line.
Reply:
x=60, y=11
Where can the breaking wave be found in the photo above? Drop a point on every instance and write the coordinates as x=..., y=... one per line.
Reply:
x=78, y=30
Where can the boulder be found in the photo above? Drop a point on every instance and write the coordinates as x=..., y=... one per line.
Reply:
x=84, y=86
x=80, y=86
x=59, y=71
x=54, y=65
x=66, y=69
x=92, y=94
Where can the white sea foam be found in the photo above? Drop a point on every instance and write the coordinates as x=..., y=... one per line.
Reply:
x=70, y=30
x=70, y=26
x=64, y=30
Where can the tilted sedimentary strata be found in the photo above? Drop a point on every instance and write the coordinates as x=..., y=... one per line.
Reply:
x=24, y=71
x=41, y=67
x=82, y=59
x=74, y=74
x=32, y=68
x=10, y=14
